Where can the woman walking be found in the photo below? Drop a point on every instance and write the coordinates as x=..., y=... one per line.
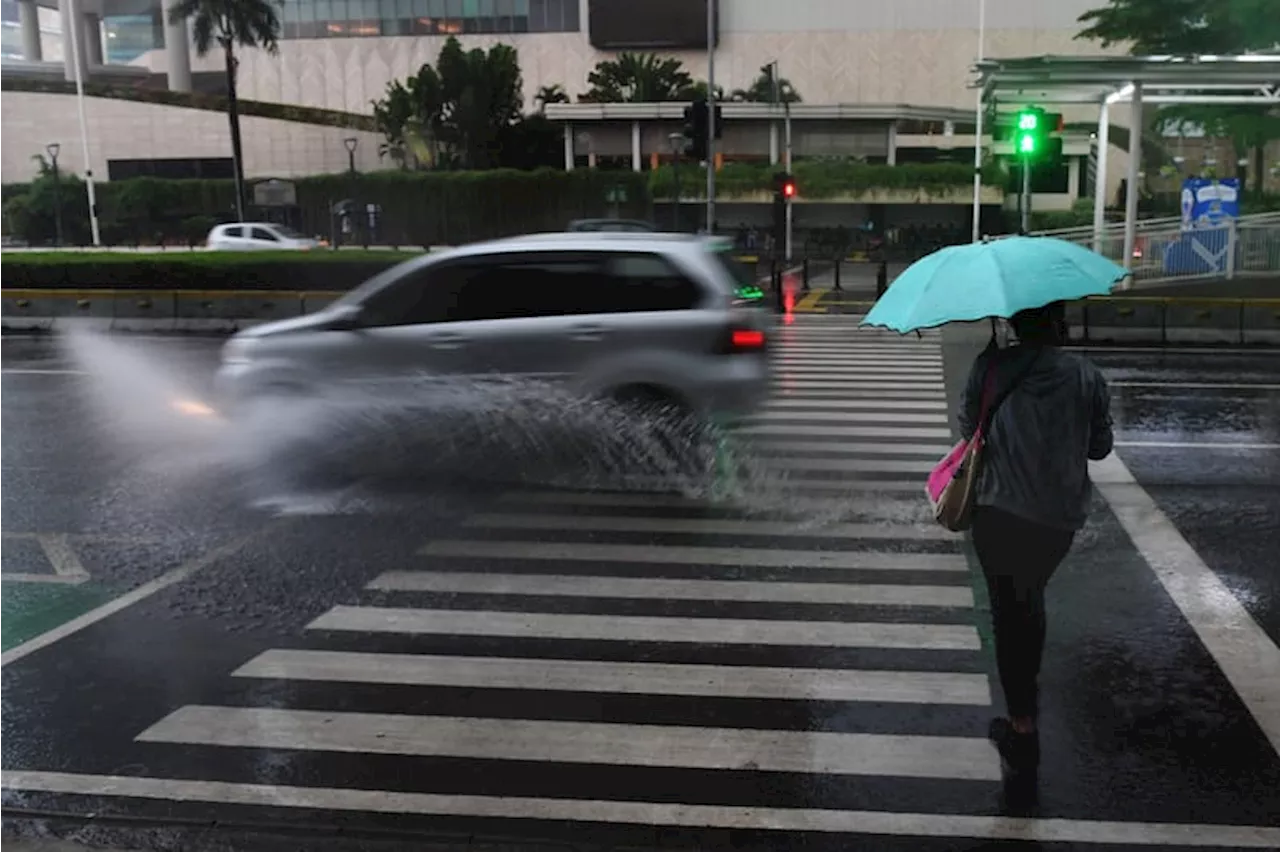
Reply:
x=1051, y=416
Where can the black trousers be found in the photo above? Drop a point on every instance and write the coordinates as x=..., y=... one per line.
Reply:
x=1018, y=557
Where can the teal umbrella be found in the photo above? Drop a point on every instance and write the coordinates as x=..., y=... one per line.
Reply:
x=991, y=279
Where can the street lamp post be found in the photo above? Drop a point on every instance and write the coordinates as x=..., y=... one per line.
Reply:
x=677, y=143
x=53, y=148
x=351, y=142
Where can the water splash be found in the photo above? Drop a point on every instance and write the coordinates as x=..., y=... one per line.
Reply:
x=335, y=450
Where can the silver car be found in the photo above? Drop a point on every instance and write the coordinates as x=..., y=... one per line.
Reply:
x=652, y=319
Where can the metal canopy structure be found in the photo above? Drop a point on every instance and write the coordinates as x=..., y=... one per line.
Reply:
x=1250, y=79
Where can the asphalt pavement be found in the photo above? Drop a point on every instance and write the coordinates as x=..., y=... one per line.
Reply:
x=786, y=655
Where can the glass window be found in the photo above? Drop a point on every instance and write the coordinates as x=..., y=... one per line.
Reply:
x=643, y=282
x=538, y=16
x=486, y=16
x=569, y=23
x=529, y=286
x=422, y=295
x=231, y=231
x=263, y=234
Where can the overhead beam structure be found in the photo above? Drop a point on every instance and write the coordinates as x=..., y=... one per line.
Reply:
x=1251, y=79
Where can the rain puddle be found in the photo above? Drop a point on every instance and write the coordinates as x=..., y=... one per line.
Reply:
x=347, y=449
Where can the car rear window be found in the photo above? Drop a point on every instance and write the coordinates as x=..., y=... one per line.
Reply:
x=745, y=286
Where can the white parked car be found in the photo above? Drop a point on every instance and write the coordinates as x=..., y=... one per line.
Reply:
x=259, y=236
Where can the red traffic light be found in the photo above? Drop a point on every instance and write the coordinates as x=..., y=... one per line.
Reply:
x=789, y=188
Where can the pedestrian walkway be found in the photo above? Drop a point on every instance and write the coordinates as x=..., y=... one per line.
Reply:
x=590, y=656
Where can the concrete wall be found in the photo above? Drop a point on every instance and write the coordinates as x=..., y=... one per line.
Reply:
x=130, y=130
x=834, y=51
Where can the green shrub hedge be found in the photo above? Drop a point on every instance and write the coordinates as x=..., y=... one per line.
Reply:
x=418, y=208
x=179, y=270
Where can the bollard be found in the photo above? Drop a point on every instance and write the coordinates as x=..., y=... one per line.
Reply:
x=882, y=279
x=804, y=274
x=775, y=281
x=836, y=272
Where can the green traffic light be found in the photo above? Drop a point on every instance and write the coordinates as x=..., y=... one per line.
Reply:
x=1026, y=144
x=1028, y=121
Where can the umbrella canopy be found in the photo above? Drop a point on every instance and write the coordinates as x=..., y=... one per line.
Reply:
x=991, y=279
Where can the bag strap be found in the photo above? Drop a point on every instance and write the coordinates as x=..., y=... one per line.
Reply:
x=991, y=402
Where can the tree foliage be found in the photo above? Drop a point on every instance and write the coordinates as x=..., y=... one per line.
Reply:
x=465, y=112
x=762, y=90
x=553, y=94
x=1190, y=27
x=639, y=78
x=229, y=23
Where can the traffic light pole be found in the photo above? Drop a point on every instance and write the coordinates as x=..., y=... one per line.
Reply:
x=1026, y=196
x=786, y=125
x=711, y=118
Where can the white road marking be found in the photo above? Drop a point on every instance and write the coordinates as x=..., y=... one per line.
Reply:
x=790, y=360
x=846, y=431
x=23, y=371
x=1243, y=651
x=850, y=560
x=935, y=451
x=1196, y=385
x=854, y=465
x=645, y=628
x=676, y=501
x=660, y=588
x=57, y=549
x=630, y=678
x=146, y=590
x=1198, y=445
x=933, y=394
x=848, y=416
x=632, y=813
x=710, y=526
x=781, y=386
x=52, y=579
x=1173, y=350
x=965, y=758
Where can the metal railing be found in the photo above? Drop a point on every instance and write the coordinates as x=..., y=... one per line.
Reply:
x=1164, y=252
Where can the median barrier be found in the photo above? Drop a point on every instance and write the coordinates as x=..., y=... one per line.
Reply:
x=1261, y=323
x=1117, y=320
x=1204, y=321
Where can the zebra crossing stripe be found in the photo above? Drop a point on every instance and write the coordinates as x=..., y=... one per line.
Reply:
x=845, y=431
x=852, y=385
x=661, y=588
x=965, y=758
x=708, y=526
x=790, y=684
x=644, y=628
x=853, y=560
x=849, y=416
x=632, y=499
x=850, y=465
x=860, y=404
x=853, y=449
x=639, y=813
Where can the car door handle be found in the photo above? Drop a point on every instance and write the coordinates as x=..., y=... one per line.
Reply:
x=587, y=332
x=451, y=341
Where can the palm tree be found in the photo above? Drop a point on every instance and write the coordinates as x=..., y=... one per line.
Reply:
x=553, y=94
x=638, y=78
x=762, y=90
x=230, y=23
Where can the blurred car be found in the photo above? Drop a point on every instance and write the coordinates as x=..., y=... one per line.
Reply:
x=653, y=320
x=259, y=236
x=616, y=226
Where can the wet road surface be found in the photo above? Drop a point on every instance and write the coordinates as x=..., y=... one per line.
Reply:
x=803, y=665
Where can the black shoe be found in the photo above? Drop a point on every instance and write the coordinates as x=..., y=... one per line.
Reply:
x=1019, y=753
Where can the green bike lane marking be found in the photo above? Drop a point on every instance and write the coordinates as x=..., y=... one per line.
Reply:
x=29, y=609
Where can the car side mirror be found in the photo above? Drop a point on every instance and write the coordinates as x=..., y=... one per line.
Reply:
x=347, y=318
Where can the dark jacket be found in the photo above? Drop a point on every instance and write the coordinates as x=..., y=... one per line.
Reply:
x=1058, y=416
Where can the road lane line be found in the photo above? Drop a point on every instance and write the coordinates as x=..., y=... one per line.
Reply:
x=645, y=588
x=645, y=628
x=760, y=557
x=1243, y=651
x=636, y=813
x=902, y=756
x=709, y=526
x=929, y=394
x=781, y=386
x=698, y=504
x=1173, y=350
x=852, y=465
x=53, y=579
x=146, y=590
x=794, y=684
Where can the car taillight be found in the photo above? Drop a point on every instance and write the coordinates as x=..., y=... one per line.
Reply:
x=745, y=340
